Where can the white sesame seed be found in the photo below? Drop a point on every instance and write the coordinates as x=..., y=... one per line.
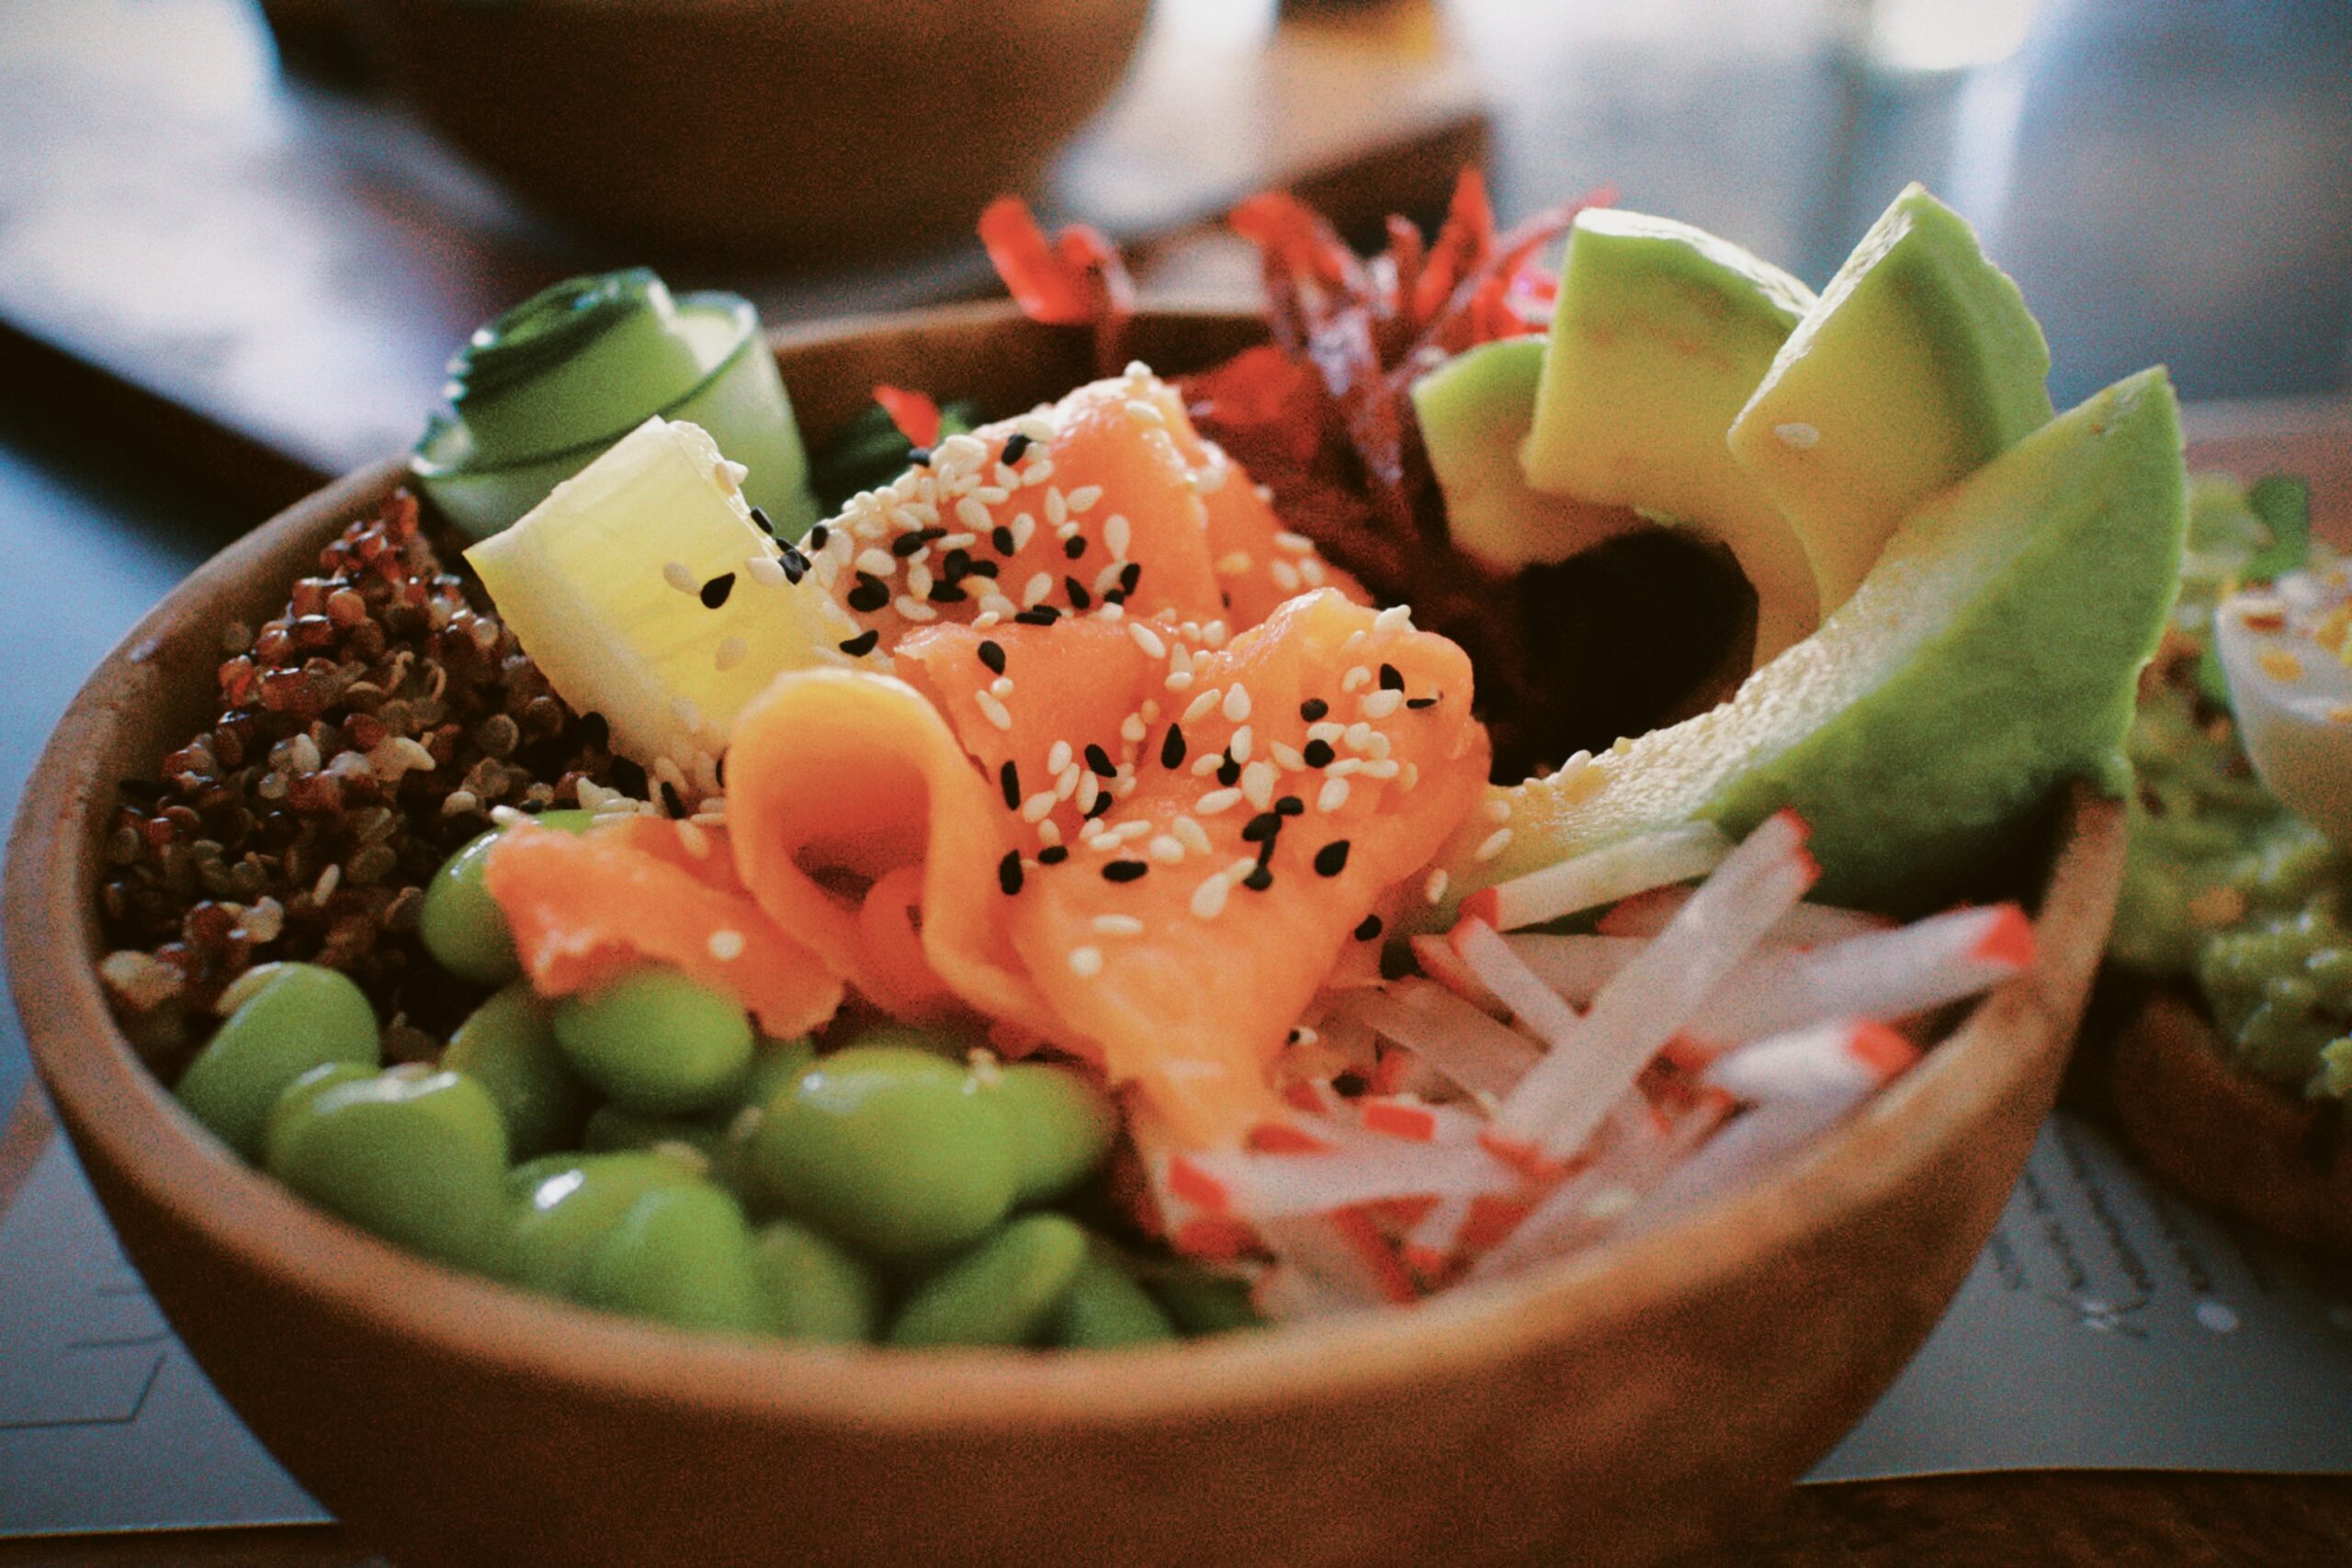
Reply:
x=1049, y=832
x=1036, y=471
x=1395, y=618
x=1108, y=578
x=1355, y=639
x=1178, y=680
x=1238, y=747
x=913, y=609
x=1138, y=409
x=1285, y=576
x=1411, y=776
x=1118, y=925
x=957, y=541
x=1058, y=758
x=1333, y=796
x=1147, y=639
x=1216, y=800
x=1209, y=478
x=1131, y=729
x=918, y=579
x=1201, y=705
x=1258, y=785
x=1001, y=686
x=1312, y=570
x=1116, y=534
x=824, y=568
x=1206, y=763
x=1166, y=848
x=1192, y=835
x=1035, y=595
x=987, y=495
x=1286, y=757
x=1056, y=508
x=973, y=514
x=1380, y=768
x=731, y=652
x=1381, y=703
x=1089, y=790
x=1237, y=703
x=877, y=563
x=1086, y=962
x=1498, y=810
x=1358, y=736
x=1066, y=782
x=675, y=574
x=1112, y=613
x=1037, y=427
x=1800, y=436
x=1344, y=767
x=1024, y=528
x=994, y=607
x=726, y=944
x=1150, y=712
x=1137, y=370
x=1084, y=496
x=1377, y=747
x=765, y=570
x=1360, y=675
x=1233, y=564
x=1434, y=888
x=1209, y=898
x=1070, y=530
x=1038, y=807
x=1492, y=845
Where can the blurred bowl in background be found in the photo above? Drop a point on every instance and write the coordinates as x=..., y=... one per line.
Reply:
x=796, y=130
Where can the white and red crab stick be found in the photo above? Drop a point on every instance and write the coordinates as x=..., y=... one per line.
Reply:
x=1807, y=925
x=1260, y=1186
x=1890, y=974
x=1800, y=1084
x=1594, y=1060
x=1455, y=1039
x=1601, y=876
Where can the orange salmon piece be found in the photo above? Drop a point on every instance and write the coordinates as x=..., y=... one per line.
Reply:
x=583, y=908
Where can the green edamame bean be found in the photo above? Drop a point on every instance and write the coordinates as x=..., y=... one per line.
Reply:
x=294, y=1100
x=680, y=1254
x=814, y=1290
x=1106, y=1309
x=914, y=1037
x=507, y=1045
x=1200, y=1303
x=1002, y=1291
x=1061, y=1124
x=415, y=1155
x=655, y=1040
x=573, y=1202
x=459, y=920
x=894, y=1152
x=611, y=1129
x=283, y=1020
x=776, y=1067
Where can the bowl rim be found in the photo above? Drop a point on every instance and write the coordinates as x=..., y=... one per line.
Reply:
x=122, y=1114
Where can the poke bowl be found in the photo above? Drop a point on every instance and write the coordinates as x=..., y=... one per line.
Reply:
x=1619, y=1404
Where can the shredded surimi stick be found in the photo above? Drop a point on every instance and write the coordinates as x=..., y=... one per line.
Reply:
x=1267, y=1187
x=1603, y=877
x=1577, y=966
x=1807, y=925
x=1323, y=1265
x=1888, y=973
x=1464, y=1044
x=1514, y=985
x=1591, y=1065
x=1803, y=1083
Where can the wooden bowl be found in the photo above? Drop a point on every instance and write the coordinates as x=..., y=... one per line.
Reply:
x=1614, y=1407
x=790, y=129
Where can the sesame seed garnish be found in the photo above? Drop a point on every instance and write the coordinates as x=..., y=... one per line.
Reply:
x=1209, y=478
x=1391, y=678
x=974, y=513
x=1493, y=845
x=1358, y=736
x=672, y=801
x=1059, y=759
x=913, y=609
x=766, y=571
x=1129, y=575
x=1289, y=757
x=1434, y=888
x=1171, y=746
x=1239, y=747
x=1358, y=676
x=1260, y=827
x=1290, y=806
x=1118, y=925
x=819, y=536
x=1056, y=508
x=862, y=644
x=1086, y=962
x=1001, y=536
x=1297, y=544
x=731, y=652
x=1079, y=597
x=1116, y=534
x=1396, y=618
x=1014, y=445
x=1313, y=708
x=1074, y=546
x=1380, y=704
x=1418, y=703
x=675, y=574
x=1370, y=929
x=1259, y=879
x=1053, y=854
x=1038, y=807
x=1218, y=800
x=918, y=456
x=1084, y=496
x=870, y=594
x=992, y=655
x=1104, y=801
x=1178, y=680
x=1009, y=778
x=1165, y=848
x=1124, y=871
x=994, y=708
x=906, y=545
x=1332, y=858
x=946, y=593
x=1233, y=564
x=1498, y=809
x=1209, y=898
x=1131, y=729
x=1285, y=576
x=1201, y=705
x=877, y=562
x=1316, y=754
x=1008, y=872
x=1192, y=835
x=1089, y=793
x=1100, y=761
x=715, y=592
x=1334, y=794
x=725, y=944
x=1237, y=704
x=1227, y=770
x=1258, y=785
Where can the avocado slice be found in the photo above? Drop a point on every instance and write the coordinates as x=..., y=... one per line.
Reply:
x=1991, y=654
x=1475, y=409
x=1917, y=364
x=1661, y=333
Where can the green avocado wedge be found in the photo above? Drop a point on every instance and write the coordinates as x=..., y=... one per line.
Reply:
x=1991, y=655
x=1661, y=333
x=1475, y=411
x=1919, y=364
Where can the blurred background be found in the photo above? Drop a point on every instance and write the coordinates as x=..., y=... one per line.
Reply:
x=238, y=242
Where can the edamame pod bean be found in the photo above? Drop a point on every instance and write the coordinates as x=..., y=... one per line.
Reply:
x=507, y=1045
x=416, y=1154
x=558, y=1218
x=1106, y=1309
x=283, y=1020
x=1061, y=1125
x=894, y=1152
x=655, y=1040
x=776, y=1067
x=914, y=1037
x=1201, y=1304
x=680, y=1254
x=1002, y=1291
x=611, y=1129
x=814, y=1290
x=294, y=1101
x=459, y=921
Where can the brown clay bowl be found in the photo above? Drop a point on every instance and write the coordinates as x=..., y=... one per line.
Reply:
x=790, y=129
x=1614, y=1407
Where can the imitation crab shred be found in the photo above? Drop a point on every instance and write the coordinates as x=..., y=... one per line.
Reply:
x=1885, y=975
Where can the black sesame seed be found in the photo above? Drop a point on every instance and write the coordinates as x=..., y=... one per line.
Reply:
x=1116, y=596
x=946, y=593
x=1260, y=827
x=715, y=592
x=862, y=644
x=1332, y=858
x=1420, y=702
x=1001, y=538
x=796, y=565
x=1316, y=754
x=1129, y=575
x=1008, y=872
x=1171, y=746
x=670, y=800
x=955, y=566
x=906, y=545
x=1079, y=597
x=718, y=769
x=992, y=655
x=1100, y=761
x=1229, y=772
x=1370, y=930
x=1289, y=805
x=1053, y=854
x=1312, y=709
x=982, y=568
x=1008, y=776
x=1043, y=616
x=870, y=594
x=595, y=731
x=1014, y=445
x=1259, y=880
x=1074, y=546
x=918, y=456
x=1391, y=678
x=760, y=518
x=628, y=778
x=819, y=536
x=1102, y=807
x=1124, y=871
